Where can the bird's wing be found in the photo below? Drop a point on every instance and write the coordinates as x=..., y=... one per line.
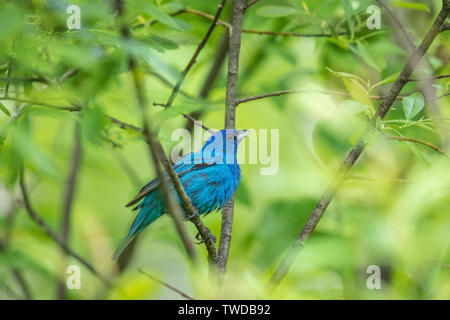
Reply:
x=179, y=167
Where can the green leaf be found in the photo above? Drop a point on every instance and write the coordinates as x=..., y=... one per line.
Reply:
x=277, y=11
x=349, y=14
x=356, y=90
x=353, y=107
x=365, y=55
x=354, y=85
x=411, y=5
x=5, y=110
x=346, y=75
x=161, y=16
x=391, y=78
x=412, y=105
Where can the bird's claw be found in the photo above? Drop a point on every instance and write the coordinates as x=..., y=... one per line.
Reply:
x=198, y=236
x=190, y=216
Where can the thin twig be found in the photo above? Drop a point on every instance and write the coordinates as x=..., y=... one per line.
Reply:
x=425, y=143
x=430, y=78
x=54, y=236
x=165, y=284
x=22, y=283
x=68, y=200
x=364, y=178
x=250, y=3
x=284, y=92
x=230, y=116
x=194, y=57
x=399, y=24
x=44, y=104
x=353, y=155
x=8, y=78
x=260, y=32
x=213, y=73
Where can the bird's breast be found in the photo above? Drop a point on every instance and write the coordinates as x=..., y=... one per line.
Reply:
x=212, y=187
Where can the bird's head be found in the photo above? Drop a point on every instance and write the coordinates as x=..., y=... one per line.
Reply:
x=225, y=141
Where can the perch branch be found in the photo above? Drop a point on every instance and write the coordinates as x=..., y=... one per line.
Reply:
x=230, y=116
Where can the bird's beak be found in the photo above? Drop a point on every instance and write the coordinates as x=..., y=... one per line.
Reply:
x=242, y=134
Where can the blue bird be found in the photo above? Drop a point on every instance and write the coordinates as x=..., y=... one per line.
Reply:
x=209, y=176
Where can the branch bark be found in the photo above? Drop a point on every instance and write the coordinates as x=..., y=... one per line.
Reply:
x=353, y=155
x=230, y=116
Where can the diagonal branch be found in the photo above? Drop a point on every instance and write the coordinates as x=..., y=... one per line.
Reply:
x=53, y=235
x=68, y=200
x=398, y=23
x=157, y=154
x=353, y=155
x=172, y=206
x=194, y=57
x=165, y=284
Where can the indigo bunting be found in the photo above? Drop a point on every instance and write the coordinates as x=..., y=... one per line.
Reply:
x=209, y=176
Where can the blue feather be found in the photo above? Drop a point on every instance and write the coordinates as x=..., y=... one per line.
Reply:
x=209, y=176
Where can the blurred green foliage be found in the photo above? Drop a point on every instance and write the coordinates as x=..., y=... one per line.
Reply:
x=393, y=212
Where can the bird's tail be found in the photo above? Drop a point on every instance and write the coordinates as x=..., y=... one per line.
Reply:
x=143, y=219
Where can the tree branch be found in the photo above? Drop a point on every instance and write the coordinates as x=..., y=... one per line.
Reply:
x=251, y=3
x=353, y=155
x=165, y=284
x=260, y=32
x=428, y=144
x=230, y=116
x=430, y=78
x=54, y=236
x=398, y=23
x=68, y=201
x=194, y=57
x=212, y=76
x=284, y=92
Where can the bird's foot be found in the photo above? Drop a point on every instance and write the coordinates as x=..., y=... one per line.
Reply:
x=191, y=216
x=201, y=240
